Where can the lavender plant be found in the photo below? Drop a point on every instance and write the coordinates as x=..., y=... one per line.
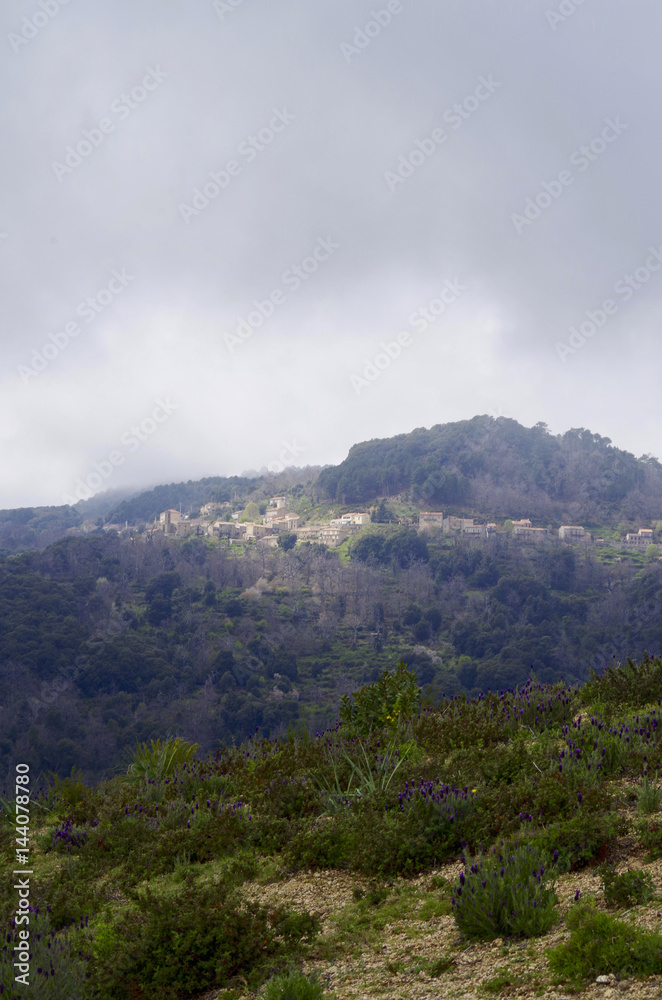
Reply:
x=505, y=895
x=441, y=808
x=68, y=835
x=59, y=963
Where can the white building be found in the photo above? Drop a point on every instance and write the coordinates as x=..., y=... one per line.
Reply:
x=524, y=529
x=428, y=519
x=642, y=537
x=356, y=518
x=452, y=523
x=331, y=535
x=573, y=533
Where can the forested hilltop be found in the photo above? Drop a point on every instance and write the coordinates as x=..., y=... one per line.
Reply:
x=497, y=468
x=486, y=467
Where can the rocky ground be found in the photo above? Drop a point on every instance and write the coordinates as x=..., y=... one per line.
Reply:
x=393, y=957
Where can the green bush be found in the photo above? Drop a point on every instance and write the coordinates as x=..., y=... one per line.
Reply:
x=628, y=888
x=650, y=834
x=293, y=986
x=194, y=939
x=374, y=841
x=580, y=838
x=601, y=944
x=634, y=684
x=394, y=697
x=502, y=894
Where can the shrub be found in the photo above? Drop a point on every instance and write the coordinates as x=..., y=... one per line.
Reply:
x=195, y=939
x=294, y=926
x=442, y=815
x=293, y=986
x=370, y=840
x=628, y=888
x=601, y=944
x=70, y=796
x=505, y=895
x=395, y=696
x=634, y=683
x=290, y=798
x=650, y=835
x=581, y=838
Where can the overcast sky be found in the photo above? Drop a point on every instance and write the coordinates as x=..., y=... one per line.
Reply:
x=463, y=182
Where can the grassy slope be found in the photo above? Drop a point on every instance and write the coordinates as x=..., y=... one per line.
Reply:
x=382, y=933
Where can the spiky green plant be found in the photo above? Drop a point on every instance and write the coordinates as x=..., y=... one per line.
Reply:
x=161, y=759
x=293, y=986
x=367, y=778
x=649, y=796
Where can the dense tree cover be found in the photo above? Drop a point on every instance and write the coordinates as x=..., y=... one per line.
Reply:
x=108, y=640
x=497, y=467
x=403, y=545
x=254, y=487
x=35, y=527
x=148, y=505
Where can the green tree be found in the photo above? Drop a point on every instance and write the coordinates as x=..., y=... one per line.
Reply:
x=287, y=540
x=251, y=512
x=652, y=553
x=382, y=515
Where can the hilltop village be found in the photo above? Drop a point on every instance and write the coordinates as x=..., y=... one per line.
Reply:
x=278, y=520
